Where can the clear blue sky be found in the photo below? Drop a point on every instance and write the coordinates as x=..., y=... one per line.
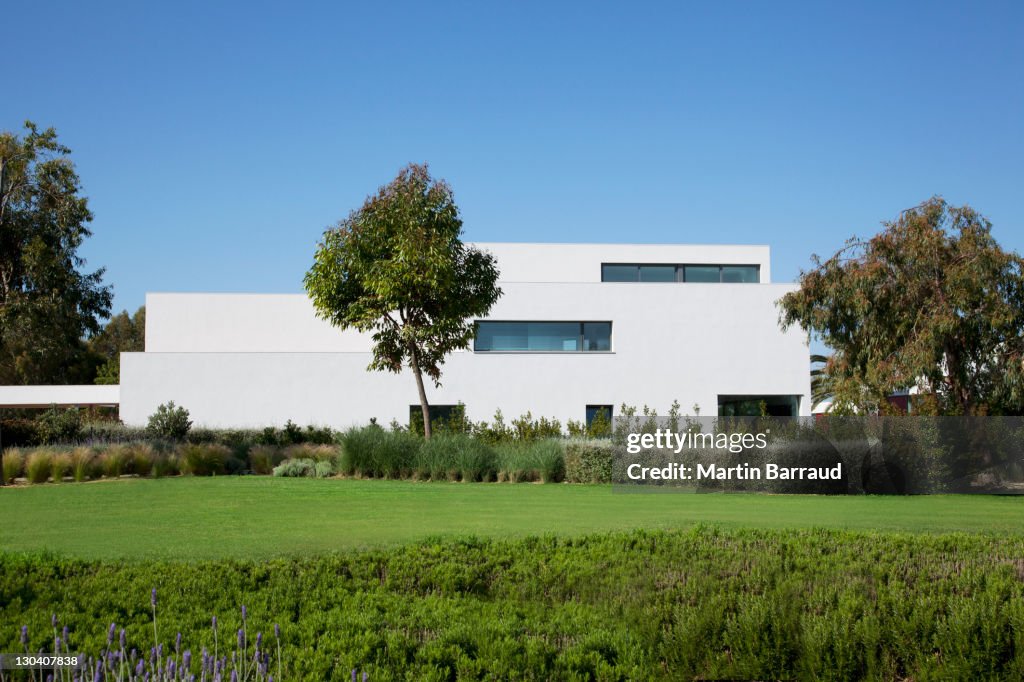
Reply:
x=216, y=141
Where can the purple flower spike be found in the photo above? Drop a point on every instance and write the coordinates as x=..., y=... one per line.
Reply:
x=110, y=633
x=186, y=660
x=139, y=668
x=24, y=634
x=259, y=639
x=124, y=638
x=354, y=675
x=241, y=639
x=215, y=622
x=366, y=676
x=64, y=634
x=244, y=613
x=53, y=620
x=177, y=643
x=152, y=597
x=277, y=631
x=234, y=676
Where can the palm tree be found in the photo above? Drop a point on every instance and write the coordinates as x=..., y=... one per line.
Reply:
x=822, y=382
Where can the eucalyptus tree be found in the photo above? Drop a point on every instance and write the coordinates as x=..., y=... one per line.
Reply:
x=933, y=302
x=48, y=305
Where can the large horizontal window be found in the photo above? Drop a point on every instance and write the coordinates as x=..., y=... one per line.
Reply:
x=657, y=272
x=543, y=337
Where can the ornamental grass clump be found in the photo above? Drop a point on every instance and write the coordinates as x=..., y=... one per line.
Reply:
x=527, y=462
x=456, y=457
x=373, y=452
x=60, y=465
x=14, y=464
x=166, y=462
x=84, y=464
x=115, y=460
x=140, y=458
x=205, y=459
x=38, y=465
x=263, y=458
x=318, y=453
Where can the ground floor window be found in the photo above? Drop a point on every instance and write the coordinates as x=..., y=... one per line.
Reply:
x=441, y=416
x=599, y=420
x=758, y=405
x=605, y=412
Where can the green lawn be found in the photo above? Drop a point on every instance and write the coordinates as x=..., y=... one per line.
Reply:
x=259, y=517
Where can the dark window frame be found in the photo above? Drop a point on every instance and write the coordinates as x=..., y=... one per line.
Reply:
x=580, y=345
x=681, y=271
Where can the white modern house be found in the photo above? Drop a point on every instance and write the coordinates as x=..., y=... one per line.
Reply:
x=580, y=327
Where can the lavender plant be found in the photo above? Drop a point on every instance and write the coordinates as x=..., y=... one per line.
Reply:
x=118, y=662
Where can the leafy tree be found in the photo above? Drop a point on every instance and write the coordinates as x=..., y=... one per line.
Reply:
x=122, y=334
x=47, y=304
x=397, y=267
x=931, y=301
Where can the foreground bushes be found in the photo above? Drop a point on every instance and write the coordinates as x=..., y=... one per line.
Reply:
x=697, y=604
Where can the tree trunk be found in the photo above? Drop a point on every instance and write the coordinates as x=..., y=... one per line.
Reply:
x=414, y=361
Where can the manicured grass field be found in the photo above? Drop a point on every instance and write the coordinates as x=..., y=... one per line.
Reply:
x=254, y=517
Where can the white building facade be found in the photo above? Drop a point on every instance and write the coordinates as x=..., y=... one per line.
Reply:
x=579, y=328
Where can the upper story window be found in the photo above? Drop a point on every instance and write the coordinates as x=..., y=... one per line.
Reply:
x=543, y=337
x=656, y=272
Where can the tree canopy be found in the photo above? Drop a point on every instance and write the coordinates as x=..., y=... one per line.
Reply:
x=397, y=268
x=931, y=302
x=122, y=334
x=48, y=305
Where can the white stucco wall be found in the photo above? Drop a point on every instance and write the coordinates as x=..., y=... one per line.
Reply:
x=254, y=360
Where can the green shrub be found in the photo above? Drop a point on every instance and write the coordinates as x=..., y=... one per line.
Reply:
x=99, y=432
x=38, y=465
x=293, y=434
x=542, y=460
x=169, y=422
x=304, y=468
x=14, y=464
x=19, y=432
x=59, y=425
x=456, y=457
x=205, y=459
x=588, y=461
x=372, y=451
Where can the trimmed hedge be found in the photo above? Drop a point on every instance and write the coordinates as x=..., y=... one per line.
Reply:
x=588, y=461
